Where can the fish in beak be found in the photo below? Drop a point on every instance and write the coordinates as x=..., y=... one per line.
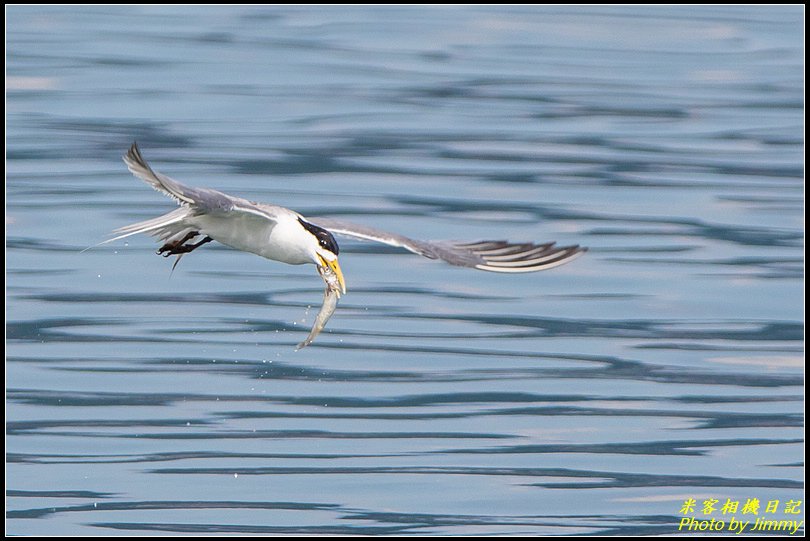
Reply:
x=335, y=285
x=332, y=275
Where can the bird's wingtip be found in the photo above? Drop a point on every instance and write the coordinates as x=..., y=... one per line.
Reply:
x=133, y=149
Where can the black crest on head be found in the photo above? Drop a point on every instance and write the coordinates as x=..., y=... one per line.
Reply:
x=325, y=238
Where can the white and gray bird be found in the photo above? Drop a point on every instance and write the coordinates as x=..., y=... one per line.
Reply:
x=284, y=235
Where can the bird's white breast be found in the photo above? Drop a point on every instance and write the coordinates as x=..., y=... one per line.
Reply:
x=282, y=240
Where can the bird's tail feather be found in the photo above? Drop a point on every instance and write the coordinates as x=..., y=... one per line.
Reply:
x=163, y=227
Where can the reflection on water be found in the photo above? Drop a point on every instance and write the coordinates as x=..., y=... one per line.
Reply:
x=595, y=398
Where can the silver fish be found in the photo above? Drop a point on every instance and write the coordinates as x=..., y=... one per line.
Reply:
x=330, y=297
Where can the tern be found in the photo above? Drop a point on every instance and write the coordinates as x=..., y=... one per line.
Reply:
x=284, y=235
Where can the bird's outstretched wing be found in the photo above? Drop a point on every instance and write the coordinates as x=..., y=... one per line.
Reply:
x=495, y=256
x=193, y=201
x=203, y=198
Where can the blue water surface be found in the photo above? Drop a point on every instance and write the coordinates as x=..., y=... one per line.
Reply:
x=665, y=365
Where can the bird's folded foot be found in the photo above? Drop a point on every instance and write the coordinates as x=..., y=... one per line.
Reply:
x=171, y=248
x=180, y=247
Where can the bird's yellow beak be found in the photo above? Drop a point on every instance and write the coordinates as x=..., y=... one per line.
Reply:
x=335, y=267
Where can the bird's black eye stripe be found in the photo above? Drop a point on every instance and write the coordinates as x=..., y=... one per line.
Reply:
x=325, y=238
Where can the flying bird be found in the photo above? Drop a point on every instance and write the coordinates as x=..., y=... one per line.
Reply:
x=281, y=234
